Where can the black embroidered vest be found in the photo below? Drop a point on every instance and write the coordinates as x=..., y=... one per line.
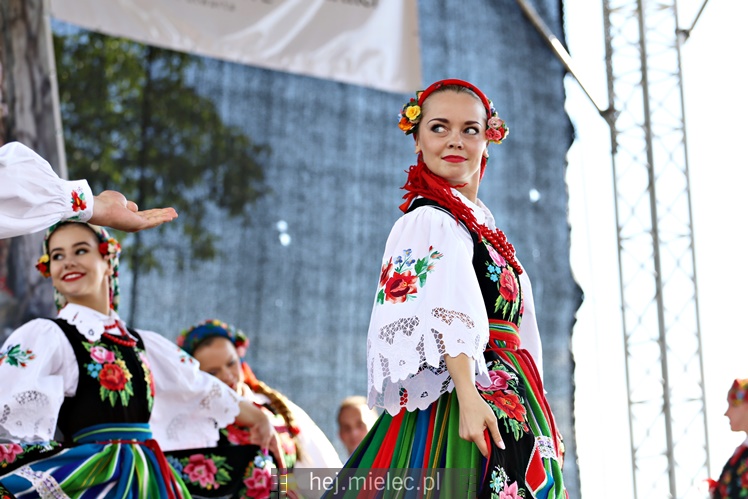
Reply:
x=499, y=281
x=114, y=383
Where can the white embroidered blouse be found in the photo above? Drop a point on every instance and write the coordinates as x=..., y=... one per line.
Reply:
x=428, y=305
x=189, y=405
x=33, y=197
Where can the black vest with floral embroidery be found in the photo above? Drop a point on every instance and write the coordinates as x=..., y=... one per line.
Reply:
x=499, y=281
x=114, y=383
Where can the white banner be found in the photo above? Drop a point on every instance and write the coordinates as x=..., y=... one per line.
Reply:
x=363, y=42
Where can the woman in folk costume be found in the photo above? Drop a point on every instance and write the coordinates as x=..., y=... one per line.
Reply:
x=733, y=481
x=111, y=392
x=220, y=349
x=454, y=352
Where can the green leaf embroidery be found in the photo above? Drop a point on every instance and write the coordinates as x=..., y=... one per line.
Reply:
x=421, y=264
x=16, y=357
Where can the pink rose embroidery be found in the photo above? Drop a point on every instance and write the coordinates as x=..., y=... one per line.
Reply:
x=510, y=492
x=258, y=485
x=499, y=381
x=101, y=355
x=201, y=469
x=495, y=256
x=9, y=452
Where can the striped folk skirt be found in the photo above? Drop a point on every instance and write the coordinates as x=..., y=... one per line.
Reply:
x=419, y=454
x=119, y=461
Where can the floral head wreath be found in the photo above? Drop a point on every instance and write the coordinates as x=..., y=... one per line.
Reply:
x=410, y=115
x=738, y=392
x=190, y=339
x=109, y=248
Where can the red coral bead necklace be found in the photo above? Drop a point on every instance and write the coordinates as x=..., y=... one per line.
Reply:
x=498, y=240
x=125, y=340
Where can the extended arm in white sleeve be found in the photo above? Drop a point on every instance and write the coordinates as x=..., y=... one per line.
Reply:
x=190, y=406
x=33, y=197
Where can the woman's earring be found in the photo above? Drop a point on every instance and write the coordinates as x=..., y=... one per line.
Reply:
x=485, y=153
x=418, y=148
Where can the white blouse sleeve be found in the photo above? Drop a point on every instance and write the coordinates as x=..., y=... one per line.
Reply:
x=428, y=305
x=528, y=330
x=33, y=197
x=190, y=406
x=37, y=369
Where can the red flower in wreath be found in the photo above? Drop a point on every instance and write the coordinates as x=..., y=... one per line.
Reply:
x=386, y=269
x=399, y=286
x=78, y=203
x=508, y=286
x=112, y=377
x=510, y=404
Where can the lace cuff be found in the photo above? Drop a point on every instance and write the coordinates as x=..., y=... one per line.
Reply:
x=28, y=416
x=406, y=358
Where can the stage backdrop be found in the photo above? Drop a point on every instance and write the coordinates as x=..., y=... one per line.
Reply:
x=300, y=279
x=364, y=42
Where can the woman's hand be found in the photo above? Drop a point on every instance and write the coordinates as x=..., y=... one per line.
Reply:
x=476, y=417
x=475, y=414
x=112, y=209
x=262, y=431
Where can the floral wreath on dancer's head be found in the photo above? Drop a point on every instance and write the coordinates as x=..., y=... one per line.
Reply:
x=737, y=393
x=410, y=115
x=109, y=248
x=189, y=339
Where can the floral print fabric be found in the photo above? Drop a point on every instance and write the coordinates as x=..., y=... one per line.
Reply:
x=733, y=481
x=115, y=379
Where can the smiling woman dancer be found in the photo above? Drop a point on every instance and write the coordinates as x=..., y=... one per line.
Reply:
x=454, y=352
x=110, y=391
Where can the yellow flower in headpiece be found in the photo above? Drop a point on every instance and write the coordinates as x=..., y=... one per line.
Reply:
x=413, y=112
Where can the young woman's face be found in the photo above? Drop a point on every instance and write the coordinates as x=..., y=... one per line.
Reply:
x=79, y=272
x=220, y=359
x=452, y=136
x=738, y=416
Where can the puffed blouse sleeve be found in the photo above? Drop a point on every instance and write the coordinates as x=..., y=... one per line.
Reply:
x=37, y=369
x=33, y=197
x=428, y=305
x=190, y=406
x=528, y=330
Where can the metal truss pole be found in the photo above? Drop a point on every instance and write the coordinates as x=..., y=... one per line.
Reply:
x=659, y=300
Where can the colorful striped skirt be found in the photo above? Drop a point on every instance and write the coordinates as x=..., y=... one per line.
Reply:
x=420, y=454
x=119, y=461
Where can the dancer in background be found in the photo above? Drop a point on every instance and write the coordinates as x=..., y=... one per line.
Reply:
x=733, y=481
x=220, y=349
x=454, y=353
x=116, y=395
x=355, y=419
x=33, y=197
